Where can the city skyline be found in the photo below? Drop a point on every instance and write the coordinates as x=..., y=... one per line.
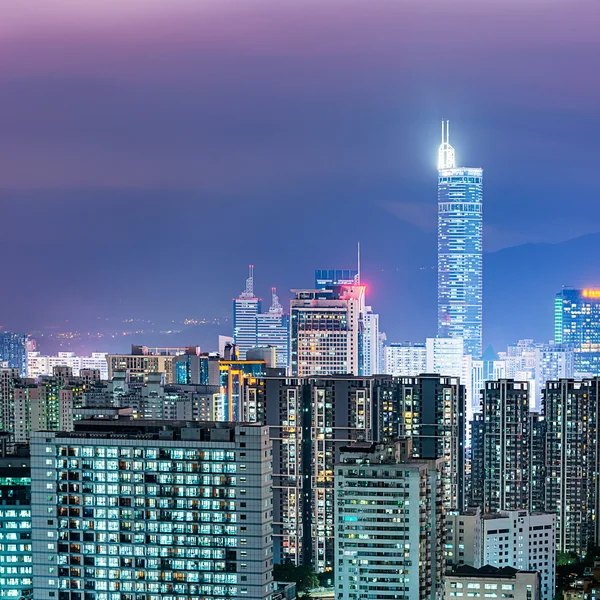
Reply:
x=274, y=128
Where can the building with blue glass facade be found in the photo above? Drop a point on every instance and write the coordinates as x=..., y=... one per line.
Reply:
x=273, y=329
x=13, y=351
x=460, y=250
x=245, y=309
x=577, y=324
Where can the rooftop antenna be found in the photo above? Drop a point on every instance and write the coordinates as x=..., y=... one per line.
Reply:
x=275, y=308
x=446, y=151
x=358, y=271
x=249, y=291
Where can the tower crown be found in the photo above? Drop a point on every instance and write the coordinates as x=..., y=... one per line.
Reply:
x=446, y=158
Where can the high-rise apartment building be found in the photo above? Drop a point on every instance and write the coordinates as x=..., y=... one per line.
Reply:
x=310, y=420
x=577, y=323
x=507, y=447
x=463, y=544
x=15, y=523
x=152, y=509
x=571, y=410
x=13, y=351
x=326, y=331
x=429, y=409
x=389, y=524
x=405, y=359
x=246, y=307
x=460, y=249
x=523, y=540
x=273, y=329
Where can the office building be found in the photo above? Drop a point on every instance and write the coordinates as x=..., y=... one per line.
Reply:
x=144, y=360
x=234, y=375
x=273, y=330
x=405, y=359
x=503, y=582
x=154, y=509
x=370, y=346
x=460, y=249
x=429, y=409
x=523, y=540
x=389, y=524
x=246, y=307
x=445, y=356
x=577, y=323
x=13, y=351
x=195, y=367
x=325, y=279
x=326, y=331
x=15, y=522
x=39, y=364
x=571, y=421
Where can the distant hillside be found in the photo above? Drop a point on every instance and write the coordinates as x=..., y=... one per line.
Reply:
x=520, y=284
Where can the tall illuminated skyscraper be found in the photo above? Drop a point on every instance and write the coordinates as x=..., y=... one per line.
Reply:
x=460, y=249
x=245, y=309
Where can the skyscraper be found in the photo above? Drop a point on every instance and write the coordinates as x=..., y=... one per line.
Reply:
x=273, y=329
x=326, y=331
x=577, y=322
x=245, y=309
x=460, y=249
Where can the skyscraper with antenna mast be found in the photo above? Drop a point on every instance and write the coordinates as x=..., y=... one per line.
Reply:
x=246, y=307
x=460, y=248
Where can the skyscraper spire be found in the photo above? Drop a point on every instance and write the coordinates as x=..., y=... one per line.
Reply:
x=446, y=158
x=249, y=291
x=358, y=266
x=275, y=307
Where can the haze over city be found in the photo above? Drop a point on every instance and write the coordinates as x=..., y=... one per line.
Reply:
x=152, y=150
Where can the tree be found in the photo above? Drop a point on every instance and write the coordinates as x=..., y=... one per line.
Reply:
x=302, y=575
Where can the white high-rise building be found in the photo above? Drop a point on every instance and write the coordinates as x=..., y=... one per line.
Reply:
x=325, y=328
x=371, y=342
x=273, y=329
x=245, y=309
x=39, y=364
x=523, y=540
x=405, y=359
x=389, y=524
x=445, y=356
x=174, y=511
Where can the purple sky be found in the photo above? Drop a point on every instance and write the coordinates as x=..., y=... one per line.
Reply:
x=217, y=131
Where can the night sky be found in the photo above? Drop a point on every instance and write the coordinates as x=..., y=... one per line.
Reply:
x=150, y=150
